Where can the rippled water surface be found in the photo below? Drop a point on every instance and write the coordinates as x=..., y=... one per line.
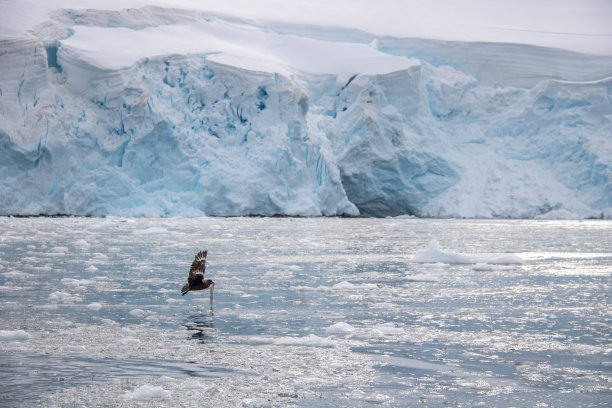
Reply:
x=307, y=312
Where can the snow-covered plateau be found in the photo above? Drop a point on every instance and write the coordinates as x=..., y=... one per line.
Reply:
x=155, y=111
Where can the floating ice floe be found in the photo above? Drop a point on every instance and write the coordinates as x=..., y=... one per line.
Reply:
x=13, y=335
x=433, y=253
x=146, y=392
x=137, y=312
x=104, y=224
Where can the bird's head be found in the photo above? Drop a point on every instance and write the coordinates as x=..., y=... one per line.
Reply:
x=209, y=282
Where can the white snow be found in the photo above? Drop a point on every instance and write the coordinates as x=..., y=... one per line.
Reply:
x=571, y=24
x=13, y=335
x=305, y=108
x=433, y=254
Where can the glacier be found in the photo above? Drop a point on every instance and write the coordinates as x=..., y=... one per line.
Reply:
x=154, y=111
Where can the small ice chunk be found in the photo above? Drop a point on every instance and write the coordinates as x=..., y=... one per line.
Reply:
x=128, y=341
x=387, y=329
x=94, y=306
x=421, y=277
x=104, y=224
x=340, y=329
x=13, y=335
x=137, y=312
x=15, y=275
x=82, y=244
x=62, y=297
x=99, y=257
x=192, y=385
x=259, y=340
x=149, y=392
x=433, y=253
x=91, y=268
x=109, y=322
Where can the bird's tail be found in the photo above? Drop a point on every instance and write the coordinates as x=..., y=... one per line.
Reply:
x=185, y=289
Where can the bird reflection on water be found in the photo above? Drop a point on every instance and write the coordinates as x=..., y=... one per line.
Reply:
x=199, y=324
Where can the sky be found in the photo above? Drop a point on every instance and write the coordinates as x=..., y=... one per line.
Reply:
x=577, y=25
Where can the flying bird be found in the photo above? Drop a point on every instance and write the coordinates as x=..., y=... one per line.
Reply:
x=195, y=280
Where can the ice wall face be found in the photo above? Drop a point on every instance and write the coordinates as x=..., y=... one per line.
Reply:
x=259, y=122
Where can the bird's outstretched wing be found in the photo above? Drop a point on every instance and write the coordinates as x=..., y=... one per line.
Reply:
x=198, y=266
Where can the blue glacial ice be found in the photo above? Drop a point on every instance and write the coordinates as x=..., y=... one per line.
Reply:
x=277, y=119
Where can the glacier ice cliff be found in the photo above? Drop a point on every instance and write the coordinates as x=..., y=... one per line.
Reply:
x=119, y=113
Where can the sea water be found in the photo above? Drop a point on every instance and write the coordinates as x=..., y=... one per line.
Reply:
x=307, y=312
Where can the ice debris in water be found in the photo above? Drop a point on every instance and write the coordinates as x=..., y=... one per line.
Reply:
x=433, y=253
x=13, y=335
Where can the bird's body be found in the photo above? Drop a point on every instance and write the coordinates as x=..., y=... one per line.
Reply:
x=195, y=280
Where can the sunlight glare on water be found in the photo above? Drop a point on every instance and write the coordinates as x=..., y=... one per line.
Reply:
x=307, y=312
